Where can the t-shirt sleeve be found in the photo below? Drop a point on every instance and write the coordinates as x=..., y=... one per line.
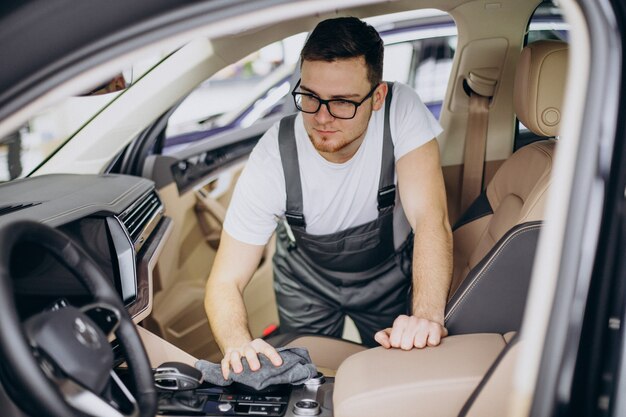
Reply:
x=259, y=196
x=412, y=124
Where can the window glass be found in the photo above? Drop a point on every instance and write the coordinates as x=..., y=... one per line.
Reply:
x=424, y=64
x=419, y=48
x=23, y=150
x=251, y=89
x=397, y=64
x=27, y=147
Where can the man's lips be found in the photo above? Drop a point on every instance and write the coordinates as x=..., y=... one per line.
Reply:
x=325, y=132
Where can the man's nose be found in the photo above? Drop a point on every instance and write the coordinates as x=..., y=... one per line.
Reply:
x=323, y=114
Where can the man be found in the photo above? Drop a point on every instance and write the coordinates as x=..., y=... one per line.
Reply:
x=328, y=178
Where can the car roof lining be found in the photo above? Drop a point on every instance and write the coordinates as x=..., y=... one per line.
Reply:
x=229, y=49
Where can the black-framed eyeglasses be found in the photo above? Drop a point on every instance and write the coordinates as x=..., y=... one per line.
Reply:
x=337, y=107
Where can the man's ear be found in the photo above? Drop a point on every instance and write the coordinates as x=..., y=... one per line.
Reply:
x=379, y=96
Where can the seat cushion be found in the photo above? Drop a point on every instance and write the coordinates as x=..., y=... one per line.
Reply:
x=493, y=396
x=326, y=352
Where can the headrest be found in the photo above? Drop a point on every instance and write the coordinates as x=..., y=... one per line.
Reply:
x=540, y=86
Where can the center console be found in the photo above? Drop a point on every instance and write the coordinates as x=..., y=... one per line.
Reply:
x=314, y=398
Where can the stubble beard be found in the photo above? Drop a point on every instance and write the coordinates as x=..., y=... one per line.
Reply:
x=324, y=144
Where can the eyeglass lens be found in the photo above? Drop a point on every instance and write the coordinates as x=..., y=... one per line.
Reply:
x=337, y=108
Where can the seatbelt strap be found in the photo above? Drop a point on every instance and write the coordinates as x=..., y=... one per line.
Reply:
x=481, y=89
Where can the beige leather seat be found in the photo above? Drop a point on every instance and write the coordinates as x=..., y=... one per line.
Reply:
x=472, y=374
x=495, y=244
x=494, y=249
x=517, y=192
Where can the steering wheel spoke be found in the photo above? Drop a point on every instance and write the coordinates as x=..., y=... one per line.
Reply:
x=90, y=403
x=105, y=316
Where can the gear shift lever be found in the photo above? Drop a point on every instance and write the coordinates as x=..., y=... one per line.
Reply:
x=177, y=376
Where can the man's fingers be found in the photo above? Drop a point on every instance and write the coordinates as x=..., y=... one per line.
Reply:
x=397, y=330
x=435, y=335
x=235, y=362
x=412, y=332
x=409, y=336
x=382, y=337
x=225, y=367
x=232, y=357
x=420, y=337
x=444, y=332
x=261, y=346
x=434, y=338
x=251, y=357
x=273, y=355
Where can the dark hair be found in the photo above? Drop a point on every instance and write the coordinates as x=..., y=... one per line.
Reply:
x=346, y=37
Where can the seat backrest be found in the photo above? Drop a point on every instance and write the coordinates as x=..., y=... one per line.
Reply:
x=516, y=194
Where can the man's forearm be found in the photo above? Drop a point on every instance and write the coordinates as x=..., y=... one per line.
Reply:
x=234, y=265
x=432, y=269
x=227, y=315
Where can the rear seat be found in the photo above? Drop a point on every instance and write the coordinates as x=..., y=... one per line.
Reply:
x=495, y=243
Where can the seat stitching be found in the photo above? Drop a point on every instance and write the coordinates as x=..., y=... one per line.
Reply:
x=487, y=266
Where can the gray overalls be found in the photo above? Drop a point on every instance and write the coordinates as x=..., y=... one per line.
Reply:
x=318, y=279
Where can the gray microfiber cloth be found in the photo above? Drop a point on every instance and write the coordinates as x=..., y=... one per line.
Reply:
x=296, y=369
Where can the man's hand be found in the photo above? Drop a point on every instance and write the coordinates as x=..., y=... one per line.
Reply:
x=409, y=332
x=250, y=350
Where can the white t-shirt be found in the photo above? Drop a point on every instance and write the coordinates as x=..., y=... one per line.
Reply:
x=335, y=196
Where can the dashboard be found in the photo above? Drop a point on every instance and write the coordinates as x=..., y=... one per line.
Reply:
x=118, y=220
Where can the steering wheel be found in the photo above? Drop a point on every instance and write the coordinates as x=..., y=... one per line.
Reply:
x=60, y=363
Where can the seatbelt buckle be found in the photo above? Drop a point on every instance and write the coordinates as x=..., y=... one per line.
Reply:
x=386, y=197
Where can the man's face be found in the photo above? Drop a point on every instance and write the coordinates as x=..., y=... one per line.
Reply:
x=335, y=139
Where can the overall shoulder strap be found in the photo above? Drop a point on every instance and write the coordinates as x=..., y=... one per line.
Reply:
x=386, y=186
x=291, y=168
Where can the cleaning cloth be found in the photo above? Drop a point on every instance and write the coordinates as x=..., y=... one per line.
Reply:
x=296, y=369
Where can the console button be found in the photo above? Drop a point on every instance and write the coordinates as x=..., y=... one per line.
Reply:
x=224, y=407
x=228, y=397
x=306, y=408
x=271, y=399
x=185, y=385
x=262, y=410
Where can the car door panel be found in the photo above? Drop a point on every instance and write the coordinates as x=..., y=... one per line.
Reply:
x=197, y=206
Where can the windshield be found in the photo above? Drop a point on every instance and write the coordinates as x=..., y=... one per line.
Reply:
x=26, y=148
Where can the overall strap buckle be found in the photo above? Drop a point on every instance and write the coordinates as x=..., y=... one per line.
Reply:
x=386, y=197
x=295, y=219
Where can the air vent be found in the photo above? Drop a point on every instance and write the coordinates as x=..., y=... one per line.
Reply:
x=141, y=218
x=16, y=207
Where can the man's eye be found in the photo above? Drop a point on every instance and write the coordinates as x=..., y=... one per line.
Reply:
x=309, y=99
x=342, y=104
